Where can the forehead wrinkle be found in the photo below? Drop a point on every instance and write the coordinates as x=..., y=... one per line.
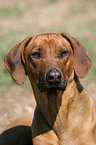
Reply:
x=49, y=46
x=54, y=44
x=38, y=41
x=61, y=40
x=46, y=43
x=50, y=42
x=43, y=41
x=46, y=38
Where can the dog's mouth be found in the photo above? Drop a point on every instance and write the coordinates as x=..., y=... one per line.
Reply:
x=43, y=86
x=53, y=80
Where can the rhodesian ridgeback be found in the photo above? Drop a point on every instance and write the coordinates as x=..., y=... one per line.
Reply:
x=65, y=113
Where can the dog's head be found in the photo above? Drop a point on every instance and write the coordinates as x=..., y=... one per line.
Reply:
x=49, y=60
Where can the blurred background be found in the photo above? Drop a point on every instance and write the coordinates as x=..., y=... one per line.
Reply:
x=22, y=18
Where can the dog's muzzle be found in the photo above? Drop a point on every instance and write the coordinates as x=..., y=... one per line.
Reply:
x=53, y=81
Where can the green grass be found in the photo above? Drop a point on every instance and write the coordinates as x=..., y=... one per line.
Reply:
x=52, y=1
x=16, y=11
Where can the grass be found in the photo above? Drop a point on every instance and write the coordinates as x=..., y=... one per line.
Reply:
x=16, y=11
x=52, y=1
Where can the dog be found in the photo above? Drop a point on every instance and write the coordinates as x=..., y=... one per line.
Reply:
x=65, y=114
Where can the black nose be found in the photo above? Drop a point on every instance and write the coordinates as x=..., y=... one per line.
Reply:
x=53, y=77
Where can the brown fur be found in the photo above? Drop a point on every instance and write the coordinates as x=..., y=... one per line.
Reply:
x=66, y=114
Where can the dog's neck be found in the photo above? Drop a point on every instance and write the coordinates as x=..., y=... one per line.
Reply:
x=53, y=100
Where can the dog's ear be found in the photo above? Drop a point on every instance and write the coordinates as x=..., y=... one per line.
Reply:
x=82, y=62
x=15, y=63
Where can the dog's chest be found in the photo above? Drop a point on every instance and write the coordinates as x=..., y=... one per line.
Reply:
x=70, y=122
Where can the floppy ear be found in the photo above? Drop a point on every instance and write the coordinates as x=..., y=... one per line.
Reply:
x=82, y=62
x=14, y=62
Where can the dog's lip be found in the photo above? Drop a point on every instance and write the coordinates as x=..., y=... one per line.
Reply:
x=47, y=87
x=51, y=89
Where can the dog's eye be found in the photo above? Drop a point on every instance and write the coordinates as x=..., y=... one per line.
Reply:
x=36, y=55
x=64, y=53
